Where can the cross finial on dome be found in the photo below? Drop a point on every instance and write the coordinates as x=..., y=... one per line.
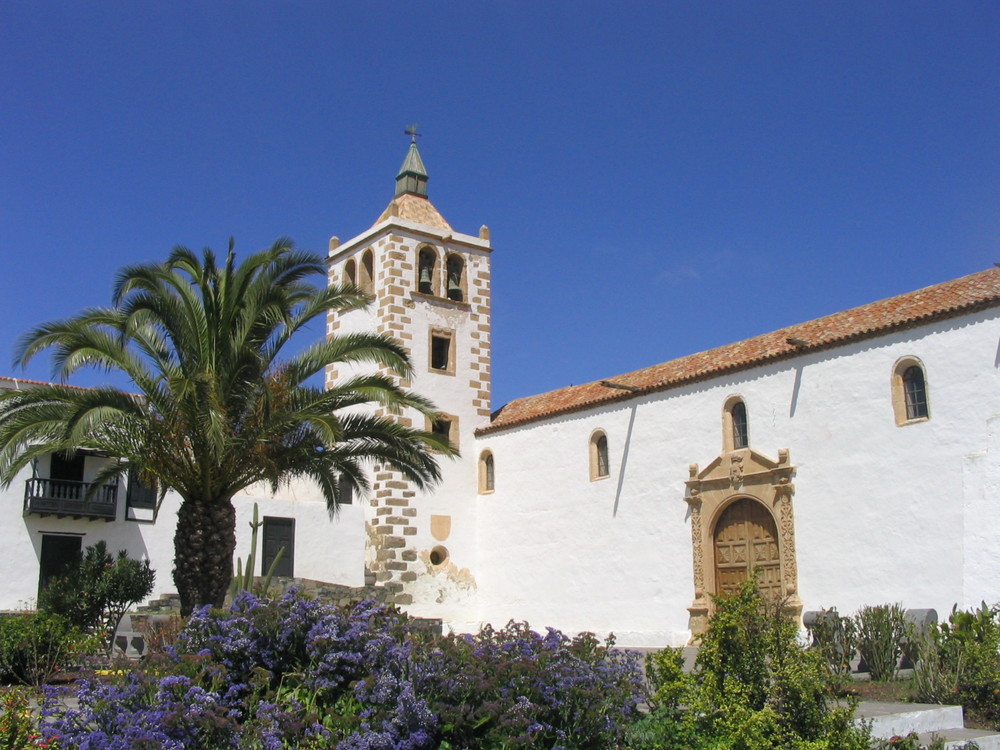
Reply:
x=412, y=177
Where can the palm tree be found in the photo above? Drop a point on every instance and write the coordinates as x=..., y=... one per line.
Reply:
x=216, y=410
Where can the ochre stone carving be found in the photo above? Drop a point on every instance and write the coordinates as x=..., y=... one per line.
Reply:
x=736, y=469
x=440, y=527
x=728, y=478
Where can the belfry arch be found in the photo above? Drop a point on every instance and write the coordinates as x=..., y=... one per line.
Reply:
x=741, y=519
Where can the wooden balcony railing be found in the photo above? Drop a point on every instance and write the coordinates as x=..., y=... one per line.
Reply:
x=62, y=497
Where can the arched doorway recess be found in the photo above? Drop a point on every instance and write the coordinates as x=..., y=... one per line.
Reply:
x=741, y=518
x=746, y=539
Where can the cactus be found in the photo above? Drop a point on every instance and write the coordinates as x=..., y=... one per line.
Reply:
x=243, y=578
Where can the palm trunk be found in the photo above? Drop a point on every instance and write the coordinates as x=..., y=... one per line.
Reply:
x=203, y=551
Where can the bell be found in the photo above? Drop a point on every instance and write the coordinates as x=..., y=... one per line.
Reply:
x=454, y=289
x=426, y=282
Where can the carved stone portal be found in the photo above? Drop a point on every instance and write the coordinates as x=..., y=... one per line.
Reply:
x=757, y=491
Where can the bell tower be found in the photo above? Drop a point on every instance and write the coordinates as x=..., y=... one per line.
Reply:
x=431, y=290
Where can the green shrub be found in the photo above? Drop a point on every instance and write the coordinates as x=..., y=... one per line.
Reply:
x=938, y=666
x=973, y=642
x=667, y=682
x=960, y=663
x=98, y=592
x=760, y=689
x=666, y=728
x=881, y=631
x=754, y=688
x=837, y=640
x=34, y=646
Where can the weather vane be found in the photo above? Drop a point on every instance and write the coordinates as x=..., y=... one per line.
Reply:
x=412, y=131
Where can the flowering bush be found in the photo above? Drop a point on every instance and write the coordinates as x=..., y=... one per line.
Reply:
x=519, y=688
x=140, y=712
x=297, y=673
x=17, y=724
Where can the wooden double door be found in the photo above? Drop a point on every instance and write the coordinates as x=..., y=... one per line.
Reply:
x=746, y=538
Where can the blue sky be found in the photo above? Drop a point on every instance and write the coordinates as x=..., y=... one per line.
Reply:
x=659, y=178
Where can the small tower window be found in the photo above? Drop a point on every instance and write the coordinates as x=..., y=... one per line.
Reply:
x=445, y=426
x=426, y=267
x=367, y=282
x=487, y=476
x=910, y=401
x=442, y=353
x=345, y=493
x=600, y=466
x=350, y=273
x=735, y=425
x=456, y=278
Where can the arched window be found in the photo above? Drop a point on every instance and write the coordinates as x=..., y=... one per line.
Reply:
x=915, y=393
x=350, y=273
x=455, y=268
x=426, y=270
x=735, y=425
x=741, y=430
x=367, y=281
x=909, y=391
x=600, y=467
x=487, y=473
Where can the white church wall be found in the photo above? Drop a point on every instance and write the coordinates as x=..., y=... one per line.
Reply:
x=878, y=507
x=982, y=519
x=327, y=547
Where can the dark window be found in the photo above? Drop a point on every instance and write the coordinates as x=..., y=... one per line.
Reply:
x=66, y=473
x=915, y=393
x=139, y=495
x=345, y=493
x=442, y=427
x=441, y=353
x=602, y=456
x=489, y=478
x=279, y=533
x=741, y=429
x=60, y=554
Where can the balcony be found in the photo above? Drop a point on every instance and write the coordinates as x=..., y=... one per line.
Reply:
x=62, y=497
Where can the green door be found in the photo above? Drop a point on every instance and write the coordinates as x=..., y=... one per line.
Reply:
x=60, y=554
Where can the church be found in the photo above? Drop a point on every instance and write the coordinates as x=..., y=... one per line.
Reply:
x=850, y=460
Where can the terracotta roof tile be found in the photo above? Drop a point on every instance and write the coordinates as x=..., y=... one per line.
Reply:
x=414, y=208
x=15, y=382
x=9, y=383
x=957, y=297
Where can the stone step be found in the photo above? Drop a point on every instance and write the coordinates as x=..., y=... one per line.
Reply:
x=899, y=719
x=956, y=738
